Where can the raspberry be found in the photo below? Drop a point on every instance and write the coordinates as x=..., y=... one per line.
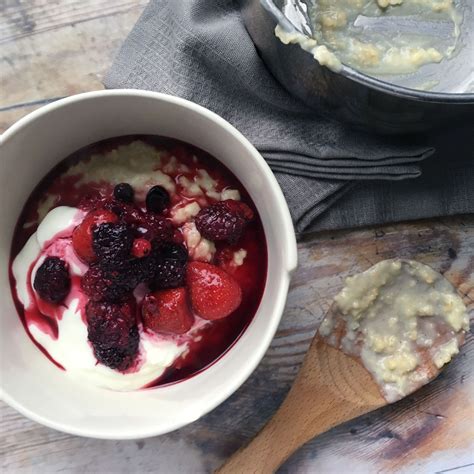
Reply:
x=224, y=221
x=52, y=280
x=102, y=285
x=113, y=332
x=112, y=242
x=141, y=248
x=170, y=266
x=157, y=199
x=124, y=192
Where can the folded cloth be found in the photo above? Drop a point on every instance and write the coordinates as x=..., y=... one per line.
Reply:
x=445, y=188
x=200, y=50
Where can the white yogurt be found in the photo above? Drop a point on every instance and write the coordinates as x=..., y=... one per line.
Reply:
x=71, y=349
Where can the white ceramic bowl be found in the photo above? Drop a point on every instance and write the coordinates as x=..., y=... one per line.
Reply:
x=30, y=383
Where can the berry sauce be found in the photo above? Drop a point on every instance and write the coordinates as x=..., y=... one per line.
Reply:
x=60, y=188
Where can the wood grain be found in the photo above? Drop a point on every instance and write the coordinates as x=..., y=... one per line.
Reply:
x=22, y=19
x=53, y=48
x=344, y=390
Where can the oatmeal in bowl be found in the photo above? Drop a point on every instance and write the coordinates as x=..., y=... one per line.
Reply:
x=137, y=261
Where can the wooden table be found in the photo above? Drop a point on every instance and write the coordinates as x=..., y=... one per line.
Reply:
x=51, y=49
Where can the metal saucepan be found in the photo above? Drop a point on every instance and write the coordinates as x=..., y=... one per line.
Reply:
x=351, y=96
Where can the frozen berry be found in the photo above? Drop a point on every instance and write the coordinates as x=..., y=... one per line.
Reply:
x=82, y=235
x=214, y=293
x=156, y=227
x=52, y=281
x=104, y=285
x=149, y=226
x=139, y=270
x=170, y=266
x=169, y=274
x=120, y=358
x=157, y=199
x=113, y=332
x=224, y=221
x=126, y=213
x=124, y=192
x=112, y=242
x=167, y=311
x=173, y=251
x=141, y=248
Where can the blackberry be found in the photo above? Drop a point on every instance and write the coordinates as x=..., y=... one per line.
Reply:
x=113, y=332
x=157, y=199
x=170, y=266
x=224, y=221
x=156, y=227
x=135, y=271
x=112, y=242
x=127, y=213
x=100, y=284
x=169, y=274
x=173, y=251
x=118, y=358
x=147, y=225
x=52, y=281
x=124, y=192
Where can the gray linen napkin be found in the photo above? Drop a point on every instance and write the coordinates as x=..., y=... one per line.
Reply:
x=200, y=50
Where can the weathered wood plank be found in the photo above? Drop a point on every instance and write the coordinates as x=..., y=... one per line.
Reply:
x=21, y=19
x=429, y=432
x=67, y=51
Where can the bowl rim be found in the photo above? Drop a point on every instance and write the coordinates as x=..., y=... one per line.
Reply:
x=373, y=82
x=289, y=258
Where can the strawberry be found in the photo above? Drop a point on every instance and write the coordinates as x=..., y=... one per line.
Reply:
x=167, y=311
x=214, y=293
x=82, y=235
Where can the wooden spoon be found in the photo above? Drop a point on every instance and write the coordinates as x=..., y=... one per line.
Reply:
x=330, y=388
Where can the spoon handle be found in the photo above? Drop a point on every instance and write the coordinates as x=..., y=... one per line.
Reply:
x=330, y=388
